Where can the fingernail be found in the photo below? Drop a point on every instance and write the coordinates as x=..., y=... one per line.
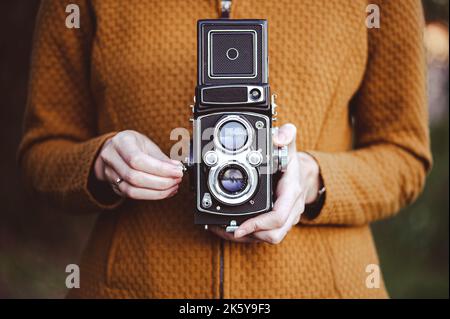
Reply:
x=281, y=137
x=239, y=233
x=178, y=170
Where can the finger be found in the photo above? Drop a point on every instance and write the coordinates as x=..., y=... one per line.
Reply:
x=127, y=190
x=99, y=169
x=271, y=220
x=111, y=177
x=138, y=160
x=112, y=159
x=285, y=135
x=135, y=177
x=276, y=236
x=299, y=209
x=144, y=180
x=229, y=236
x=141, y=180
x=144, y=193
x=155, y=151
x=149, y=147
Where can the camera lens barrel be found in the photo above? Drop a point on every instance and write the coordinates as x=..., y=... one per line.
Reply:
x=233, y=179
x=233, y=183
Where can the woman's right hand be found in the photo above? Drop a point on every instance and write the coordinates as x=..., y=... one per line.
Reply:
x=137, y=168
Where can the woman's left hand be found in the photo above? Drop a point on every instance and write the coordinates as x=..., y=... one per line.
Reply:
x=298, y=186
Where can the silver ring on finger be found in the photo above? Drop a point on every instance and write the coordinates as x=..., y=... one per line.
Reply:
x=118, y=181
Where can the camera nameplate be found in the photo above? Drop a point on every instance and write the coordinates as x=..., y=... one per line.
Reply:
x=249, y=89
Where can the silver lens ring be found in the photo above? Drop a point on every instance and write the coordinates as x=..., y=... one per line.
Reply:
x=230, y=118
x=233, y=199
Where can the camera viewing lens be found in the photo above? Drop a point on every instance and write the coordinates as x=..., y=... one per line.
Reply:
x=233, y=179
x=233, y=135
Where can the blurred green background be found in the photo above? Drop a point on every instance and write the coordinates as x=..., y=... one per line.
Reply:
x=413, y=246
x=36, y=243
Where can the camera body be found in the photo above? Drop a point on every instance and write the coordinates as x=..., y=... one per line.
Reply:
x=232, y=161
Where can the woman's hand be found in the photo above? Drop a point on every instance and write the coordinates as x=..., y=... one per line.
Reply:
x=298, y=186
x=137, y=168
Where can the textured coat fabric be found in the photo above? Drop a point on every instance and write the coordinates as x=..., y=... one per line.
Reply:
x=355, y=94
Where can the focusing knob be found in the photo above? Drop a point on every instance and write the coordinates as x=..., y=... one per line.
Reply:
x=280, y=158
x=283, y=158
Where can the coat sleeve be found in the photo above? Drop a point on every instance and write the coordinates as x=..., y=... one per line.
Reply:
x=60, y=139
x=387, y=167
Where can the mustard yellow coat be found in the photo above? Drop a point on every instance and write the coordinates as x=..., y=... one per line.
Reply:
x=355, y=94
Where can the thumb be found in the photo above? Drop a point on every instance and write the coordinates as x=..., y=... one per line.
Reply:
x=286, y=135
x=153, y=150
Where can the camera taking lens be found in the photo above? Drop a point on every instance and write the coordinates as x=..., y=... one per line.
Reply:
x=232, y=179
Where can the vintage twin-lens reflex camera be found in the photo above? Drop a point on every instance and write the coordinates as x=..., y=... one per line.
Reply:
x=233, y=163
